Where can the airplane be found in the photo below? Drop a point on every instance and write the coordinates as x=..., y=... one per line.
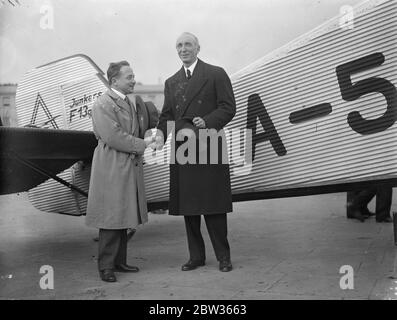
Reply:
x=315, y=116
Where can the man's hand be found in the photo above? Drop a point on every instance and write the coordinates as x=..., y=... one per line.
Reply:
x=158, y=143
x=199, y=122
x=149, y=140
x=154, y=139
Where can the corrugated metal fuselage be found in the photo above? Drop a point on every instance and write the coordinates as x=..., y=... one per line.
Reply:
x=316, y=114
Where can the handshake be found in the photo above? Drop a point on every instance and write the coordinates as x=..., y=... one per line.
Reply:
x=156, y=142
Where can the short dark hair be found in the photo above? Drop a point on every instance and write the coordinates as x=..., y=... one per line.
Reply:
x=114, y=69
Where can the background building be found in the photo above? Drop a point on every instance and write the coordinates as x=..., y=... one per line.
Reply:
x=153, y=93
x=8, y=112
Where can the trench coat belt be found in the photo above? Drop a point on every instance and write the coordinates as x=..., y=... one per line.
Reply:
x=132, y=156
x=135, y=160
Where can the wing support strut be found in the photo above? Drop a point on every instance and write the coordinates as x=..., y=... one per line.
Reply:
x=48, y=174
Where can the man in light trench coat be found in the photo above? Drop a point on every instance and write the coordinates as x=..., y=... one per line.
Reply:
x=116, y=199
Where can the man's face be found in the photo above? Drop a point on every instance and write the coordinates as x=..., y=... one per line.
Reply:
x=125, y=82
x=187, y=49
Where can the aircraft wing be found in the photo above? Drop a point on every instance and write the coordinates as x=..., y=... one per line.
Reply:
x=28, y=156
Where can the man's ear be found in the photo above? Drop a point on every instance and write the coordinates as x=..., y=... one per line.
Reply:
x=113, y=81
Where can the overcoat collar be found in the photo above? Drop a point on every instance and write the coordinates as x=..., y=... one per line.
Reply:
x=125, y=106
x=117, y=99
x=197, y=81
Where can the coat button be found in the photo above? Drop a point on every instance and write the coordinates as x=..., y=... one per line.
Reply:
x=136, y=164
x=199, y=101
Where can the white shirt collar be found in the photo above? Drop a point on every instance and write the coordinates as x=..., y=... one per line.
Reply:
x=121, y=95
x=191, y=68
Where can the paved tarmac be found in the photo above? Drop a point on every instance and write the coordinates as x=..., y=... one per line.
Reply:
x=289, y=248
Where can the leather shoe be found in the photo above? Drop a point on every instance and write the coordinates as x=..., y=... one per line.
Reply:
x=356, y=214
x=387, y=219
x=191, y=265
x=125, y=268
x=366, y=213
x=107, y=275
x=225, y=266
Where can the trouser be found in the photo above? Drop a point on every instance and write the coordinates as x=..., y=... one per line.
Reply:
x=217, y=230
x=112, y=248
x=383, y=200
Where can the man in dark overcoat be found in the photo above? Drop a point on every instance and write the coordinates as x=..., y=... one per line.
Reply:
x=199, y=99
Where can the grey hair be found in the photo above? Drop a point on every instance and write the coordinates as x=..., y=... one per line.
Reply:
x=192, y=35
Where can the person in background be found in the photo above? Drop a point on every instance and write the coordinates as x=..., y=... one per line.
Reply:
x=358, y=203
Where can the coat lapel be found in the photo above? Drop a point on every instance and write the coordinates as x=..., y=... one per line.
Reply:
x=195, y=84
x=120, y=102
x=125, y=106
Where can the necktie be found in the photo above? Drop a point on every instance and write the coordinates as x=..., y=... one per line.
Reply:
x=131, y=104
x=189, y=74
x=127, y=100
x=134, y=115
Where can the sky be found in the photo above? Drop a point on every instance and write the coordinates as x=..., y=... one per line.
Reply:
x=232, y=33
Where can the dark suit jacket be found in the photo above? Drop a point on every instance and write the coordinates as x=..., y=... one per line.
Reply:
x=199, y=188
